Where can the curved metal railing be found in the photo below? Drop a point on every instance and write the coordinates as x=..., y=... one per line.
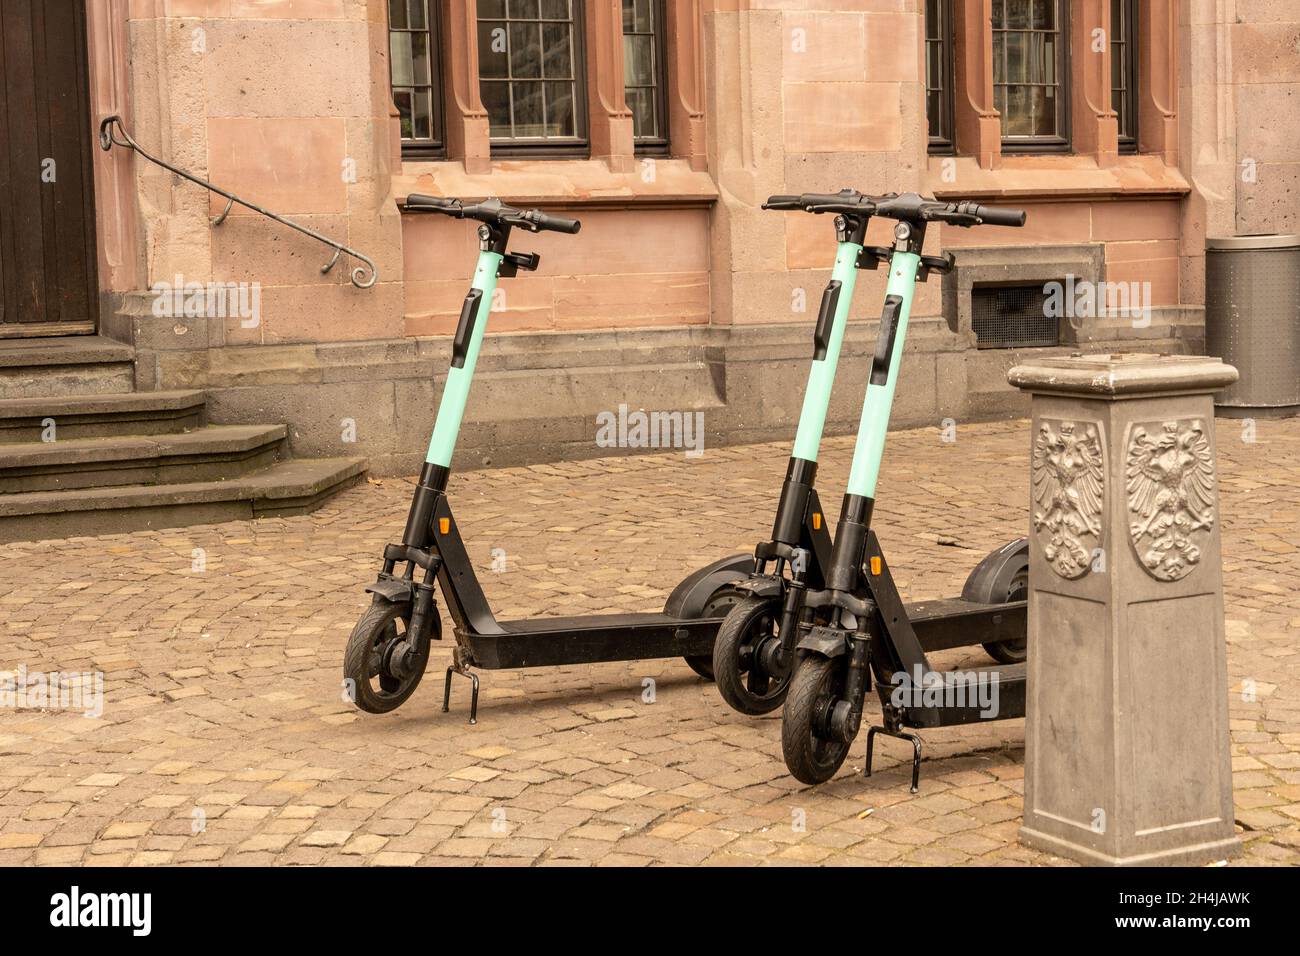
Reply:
x=113, y=133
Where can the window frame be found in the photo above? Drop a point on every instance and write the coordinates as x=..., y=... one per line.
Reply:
x=1128, y=9
x=942, y=145
x=654, y=145
x=1056, y=142
x=577, y=147
x=436, y=147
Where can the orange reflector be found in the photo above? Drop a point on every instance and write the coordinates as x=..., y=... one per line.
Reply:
x=875, y=565
x=817, y=521
x=444, y=525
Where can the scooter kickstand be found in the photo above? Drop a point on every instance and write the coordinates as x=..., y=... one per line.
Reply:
x=457, y=667
x=916, y=752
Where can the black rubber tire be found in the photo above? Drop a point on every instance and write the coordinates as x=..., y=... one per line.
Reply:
x=811, y=759
x=717, y=604
x=1012, y=652
x=377, y=627
x=729, y=671
x=701, y=664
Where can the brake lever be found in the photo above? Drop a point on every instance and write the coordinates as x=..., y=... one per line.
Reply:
x=852, y=209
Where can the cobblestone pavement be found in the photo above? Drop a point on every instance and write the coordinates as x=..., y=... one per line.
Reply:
x=225, y=737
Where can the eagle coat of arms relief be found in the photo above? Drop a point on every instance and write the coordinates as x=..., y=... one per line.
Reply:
x=1171, y=496
x=1069, y=481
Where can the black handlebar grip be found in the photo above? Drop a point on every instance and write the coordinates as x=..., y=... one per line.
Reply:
x=782, y=202
x=558, y=223
x=434, y=202
x=1000, y=215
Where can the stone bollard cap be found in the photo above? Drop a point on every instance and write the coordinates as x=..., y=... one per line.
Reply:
x=1116, y=375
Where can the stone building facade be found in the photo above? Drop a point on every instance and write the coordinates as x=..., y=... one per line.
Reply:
x=1129, y=131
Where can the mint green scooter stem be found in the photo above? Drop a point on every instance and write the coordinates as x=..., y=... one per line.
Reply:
x=455, y=393
x=870, y=446
x=821, y=377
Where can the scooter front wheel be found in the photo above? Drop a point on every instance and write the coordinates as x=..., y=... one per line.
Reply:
x=811, y=753
x=379, y=677
x=737, y=670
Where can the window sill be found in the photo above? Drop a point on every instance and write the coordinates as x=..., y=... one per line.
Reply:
x=563, y=182
x=1055, y=178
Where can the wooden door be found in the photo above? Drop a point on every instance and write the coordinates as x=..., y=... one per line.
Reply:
x=47, y=207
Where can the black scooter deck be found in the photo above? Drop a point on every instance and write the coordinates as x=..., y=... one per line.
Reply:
x=593, y=639
x=1008, y=681
x=953, y=622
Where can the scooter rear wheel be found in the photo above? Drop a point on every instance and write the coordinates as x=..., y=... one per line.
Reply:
x=719, y=603
x=817, y=684
x=738, y=673
x=368, y=664
x=1012, y=652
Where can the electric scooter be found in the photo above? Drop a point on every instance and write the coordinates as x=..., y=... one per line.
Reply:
x=755, y=653
x=856, y=627
x=389, y=647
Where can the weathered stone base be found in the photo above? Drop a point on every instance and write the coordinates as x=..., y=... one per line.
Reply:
x=1195, y=855
x=537, y=395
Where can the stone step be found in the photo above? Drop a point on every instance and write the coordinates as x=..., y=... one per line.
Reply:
x=65, y=365
x=286, y=488
x=214, y=453
x=100, y=416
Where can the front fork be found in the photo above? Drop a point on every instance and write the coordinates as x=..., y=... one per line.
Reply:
x=776, y=658
x=844, y=577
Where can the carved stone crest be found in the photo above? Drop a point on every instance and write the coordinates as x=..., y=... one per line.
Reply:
x=1170, y=478
x=1069, y=482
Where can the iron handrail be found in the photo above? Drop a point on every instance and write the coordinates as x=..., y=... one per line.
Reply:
x=110, y=130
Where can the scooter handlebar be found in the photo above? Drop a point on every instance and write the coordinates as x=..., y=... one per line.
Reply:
x=492, y=210
x=416, y=201
x=1000, y=215
x=846, y=200
x=553, y=223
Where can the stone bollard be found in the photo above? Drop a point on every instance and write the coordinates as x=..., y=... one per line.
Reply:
x=1127, y=756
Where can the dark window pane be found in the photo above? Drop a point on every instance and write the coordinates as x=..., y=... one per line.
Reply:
x=397, y=15
x=525, y=50
x=556, y=10
x=402, y=99
x=419, y=19
x=423, y=103
x=643, y=16
x=496, y=100
x=493, y=57
x=529, y=114
x=559, y=51
x=491, y=9
x=639, y=60
x=420, y=59
x=524, y=9
x=559, y=109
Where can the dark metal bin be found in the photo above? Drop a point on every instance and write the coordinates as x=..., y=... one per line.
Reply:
x=1252, y=321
